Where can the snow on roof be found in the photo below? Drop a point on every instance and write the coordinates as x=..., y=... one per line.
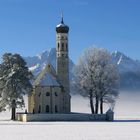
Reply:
x=49, y=80
x=46, y=78
x=61, y=25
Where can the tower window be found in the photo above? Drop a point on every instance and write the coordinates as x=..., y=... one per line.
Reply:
x=66, y=47
x=56, y=109
x=47, y=93
x=58, y=46
x=39, y=94
x=47, y=109
x=62, y=49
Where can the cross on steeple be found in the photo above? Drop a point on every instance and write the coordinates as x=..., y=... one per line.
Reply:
x=62, y=21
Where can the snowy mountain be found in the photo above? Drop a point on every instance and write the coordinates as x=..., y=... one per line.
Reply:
x=125, y=63
x=38, y=63
x=129, y=70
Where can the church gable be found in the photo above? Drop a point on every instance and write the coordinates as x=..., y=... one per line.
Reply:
x=47, y=77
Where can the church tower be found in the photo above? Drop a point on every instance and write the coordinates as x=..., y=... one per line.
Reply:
x=62, y=65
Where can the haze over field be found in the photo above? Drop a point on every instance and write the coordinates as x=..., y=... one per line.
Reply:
x=127, y=106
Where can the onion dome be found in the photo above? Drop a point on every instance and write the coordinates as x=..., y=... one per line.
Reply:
x=62, y=28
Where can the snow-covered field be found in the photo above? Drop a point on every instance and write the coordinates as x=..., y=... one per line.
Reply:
x=70, y=131
x=126, y=126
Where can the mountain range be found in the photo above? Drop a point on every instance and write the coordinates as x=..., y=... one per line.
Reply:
x=129, y=69
x=38, y=63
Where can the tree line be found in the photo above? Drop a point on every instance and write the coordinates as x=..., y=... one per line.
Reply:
x=96, y=77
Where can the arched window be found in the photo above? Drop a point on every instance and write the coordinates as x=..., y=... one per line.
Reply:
x=56, y=110
x=47, y=93
x=33, y=111
x=47, y=109
x=58, y=46
x=62, y=49
x=39, y=109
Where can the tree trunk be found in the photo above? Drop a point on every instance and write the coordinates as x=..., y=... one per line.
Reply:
x=97, y=106
x=91, y=102
x=91, y=105
x=101, y=105
x=13, y=113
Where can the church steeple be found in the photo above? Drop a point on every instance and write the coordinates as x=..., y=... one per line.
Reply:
x=62, y=67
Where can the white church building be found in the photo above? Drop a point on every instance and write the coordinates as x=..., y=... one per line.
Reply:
x=51, y=87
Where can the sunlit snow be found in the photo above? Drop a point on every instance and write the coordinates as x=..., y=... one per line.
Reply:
x=125, y=127
x=34, y=67
x=120, y=60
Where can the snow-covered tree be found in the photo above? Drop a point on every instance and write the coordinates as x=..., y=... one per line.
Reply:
x=97, y=78
x=14, y=82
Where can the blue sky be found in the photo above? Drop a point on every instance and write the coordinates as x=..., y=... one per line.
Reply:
x=28, y=26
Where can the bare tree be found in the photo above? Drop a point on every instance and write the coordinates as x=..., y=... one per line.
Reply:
x=96, y=77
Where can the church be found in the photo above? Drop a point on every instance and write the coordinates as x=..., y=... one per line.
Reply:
x=50, y=98
x=51, y=88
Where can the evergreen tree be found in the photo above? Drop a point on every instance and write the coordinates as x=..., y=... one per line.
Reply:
x=14, y=82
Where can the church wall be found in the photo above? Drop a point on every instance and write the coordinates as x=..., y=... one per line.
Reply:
x=30, y=103
x=65, y=117
x=46, y=96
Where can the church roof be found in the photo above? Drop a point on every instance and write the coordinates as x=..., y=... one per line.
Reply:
x=46, y=77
